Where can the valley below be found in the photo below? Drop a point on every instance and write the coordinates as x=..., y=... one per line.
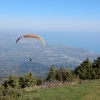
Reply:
x=15, y=57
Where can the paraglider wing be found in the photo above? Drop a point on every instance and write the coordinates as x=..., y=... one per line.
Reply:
x=31, y=36
x=18, y=39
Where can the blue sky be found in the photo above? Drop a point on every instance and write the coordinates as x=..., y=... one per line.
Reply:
x=78, y=17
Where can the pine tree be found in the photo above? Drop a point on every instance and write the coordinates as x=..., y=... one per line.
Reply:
x=96, y=68
x=85, y=70
x=63, y=74
x=51, y=74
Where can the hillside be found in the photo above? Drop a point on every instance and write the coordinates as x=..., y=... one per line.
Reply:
x=38, y=69
x=88, y=90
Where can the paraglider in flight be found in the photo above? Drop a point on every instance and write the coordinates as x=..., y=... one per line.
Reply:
x=31, y=36
x=30, y=59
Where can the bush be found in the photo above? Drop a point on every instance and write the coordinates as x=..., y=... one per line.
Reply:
x=39, y=81
x=27, y=80
x=31, y=89
x=12, y=81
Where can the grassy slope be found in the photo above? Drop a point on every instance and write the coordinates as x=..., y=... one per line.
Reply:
x=88, y=90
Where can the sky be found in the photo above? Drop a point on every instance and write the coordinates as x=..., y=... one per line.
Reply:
x=76, y=22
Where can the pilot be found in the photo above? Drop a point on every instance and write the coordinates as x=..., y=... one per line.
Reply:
x=30, y=59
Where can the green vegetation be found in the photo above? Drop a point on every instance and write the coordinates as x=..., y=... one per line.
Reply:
x=74, y=92
x=88, y=70
x=59, y=84
x=89, y=90
x=61, y=74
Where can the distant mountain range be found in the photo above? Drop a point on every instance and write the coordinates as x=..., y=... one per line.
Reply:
x=14, y=58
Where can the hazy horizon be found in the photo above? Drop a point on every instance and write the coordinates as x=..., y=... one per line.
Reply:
x=78, y=40
x=73, y=23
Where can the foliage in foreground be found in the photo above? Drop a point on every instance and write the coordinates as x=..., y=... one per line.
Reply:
x=61, y=74
x=15, y=87
x=88, y=90
x=26, y=80
x=88, y=70
x=13, y=94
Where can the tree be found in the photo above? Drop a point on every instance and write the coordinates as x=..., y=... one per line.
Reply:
x=12, y=81
x=85, y=70
x=51, y=74
x=63, y=74
x=96, y=68
x=27, y=80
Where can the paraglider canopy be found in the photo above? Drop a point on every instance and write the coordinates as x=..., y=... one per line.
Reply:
x=31, y=36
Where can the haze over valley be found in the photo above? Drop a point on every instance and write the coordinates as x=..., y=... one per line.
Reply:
x=15, y=57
